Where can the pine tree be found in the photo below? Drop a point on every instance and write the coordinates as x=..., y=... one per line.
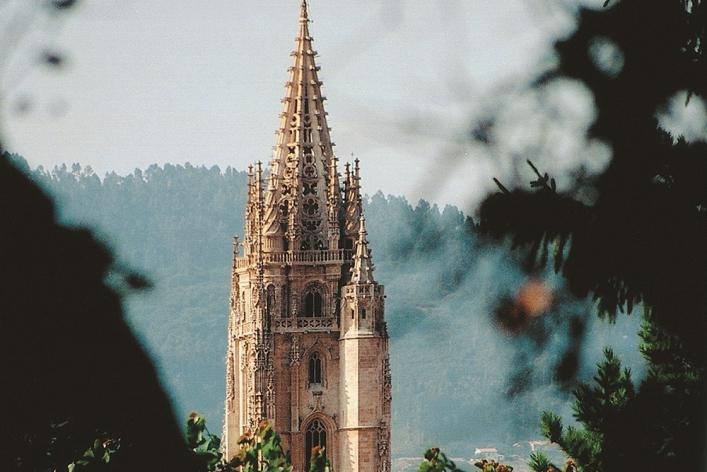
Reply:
x=600, y=407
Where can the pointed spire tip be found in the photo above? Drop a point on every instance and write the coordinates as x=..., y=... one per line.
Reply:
x=303, y=11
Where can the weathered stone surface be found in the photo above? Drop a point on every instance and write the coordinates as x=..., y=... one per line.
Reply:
x=307, y=340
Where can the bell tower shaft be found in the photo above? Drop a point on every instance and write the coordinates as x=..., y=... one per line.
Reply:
x=307, y=339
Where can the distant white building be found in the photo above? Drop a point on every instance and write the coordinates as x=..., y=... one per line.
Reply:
x=489, y=453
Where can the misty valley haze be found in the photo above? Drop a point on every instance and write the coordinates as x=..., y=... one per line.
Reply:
x=459, y=382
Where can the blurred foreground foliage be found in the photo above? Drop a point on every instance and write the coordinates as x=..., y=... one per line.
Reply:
x=75, y=367
x=437, y=461
x=641, y=239
x=539, y=462
x=260, y=451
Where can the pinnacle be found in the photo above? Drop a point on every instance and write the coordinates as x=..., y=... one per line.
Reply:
x=362, y=270
x=362, y=233
x=304, y=14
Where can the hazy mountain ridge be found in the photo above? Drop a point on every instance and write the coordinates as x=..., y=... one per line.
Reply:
x=450, y=363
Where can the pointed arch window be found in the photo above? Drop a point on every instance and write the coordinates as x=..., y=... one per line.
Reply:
x=313, y=302
x=315, y=369
x=284, y=305
x=315, y=437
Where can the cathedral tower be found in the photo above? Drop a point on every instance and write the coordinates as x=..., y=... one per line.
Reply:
x=307, y=340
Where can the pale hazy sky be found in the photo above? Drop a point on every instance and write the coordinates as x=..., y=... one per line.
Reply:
x=175, y=81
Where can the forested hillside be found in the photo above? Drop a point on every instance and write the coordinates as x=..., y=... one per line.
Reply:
x=451, y=365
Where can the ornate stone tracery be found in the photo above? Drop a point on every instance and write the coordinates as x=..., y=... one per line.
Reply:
x=304, y=283
x=295, y=354
x=384, y=447
x=387, y=385
x=230, y=382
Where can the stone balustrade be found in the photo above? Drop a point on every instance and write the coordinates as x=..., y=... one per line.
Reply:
x=290, y=324
x=325, y=256
x=308, y=324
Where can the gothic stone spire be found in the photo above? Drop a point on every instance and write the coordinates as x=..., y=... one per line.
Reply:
x=303, y=183
x=298, y=294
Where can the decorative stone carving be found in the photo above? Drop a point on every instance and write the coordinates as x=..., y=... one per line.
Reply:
x=295, y=354
x=294, y=303
x=387, y=386
x=383, y=448
x=230, y=381
x=318, y=405
x=301, y=228
x=270, y=391
x=387, y=378
x=314, y=323
x=256, y=297
x=244, y=356
x=285, y=323
x=333, y=353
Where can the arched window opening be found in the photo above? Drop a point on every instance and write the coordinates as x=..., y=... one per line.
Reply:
x=363, y=313
x=315, y=369
x=315, y=436
x=313, y=303
x=284, y=312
